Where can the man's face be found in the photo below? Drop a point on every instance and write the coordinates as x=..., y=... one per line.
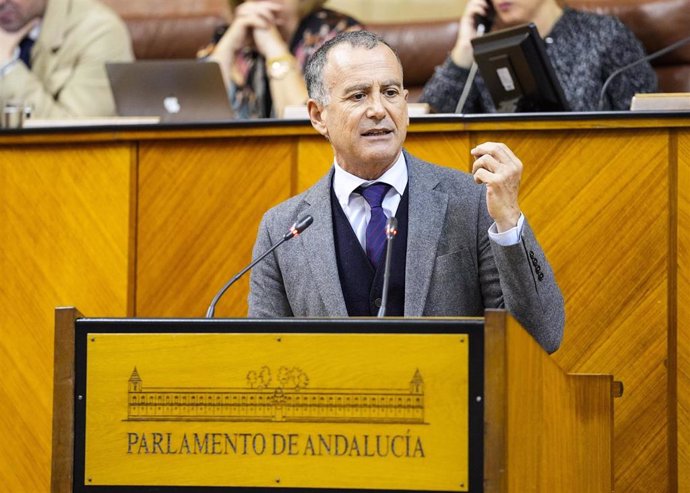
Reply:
x=365, y=118
x=15, y=14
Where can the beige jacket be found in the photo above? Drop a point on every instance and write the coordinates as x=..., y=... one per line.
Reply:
x=68, y=77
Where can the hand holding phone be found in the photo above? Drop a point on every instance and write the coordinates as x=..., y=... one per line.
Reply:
x=487, y=19
x=477, y=13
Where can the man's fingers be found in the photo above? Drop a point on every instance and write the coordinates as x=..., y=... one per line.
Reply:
x=497, y=158
x=482, y=175
x=497, y=150
x=486, y=162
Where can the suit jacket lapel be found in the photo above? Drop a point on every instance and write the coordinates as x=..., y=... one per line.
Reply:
x=51, y=38
x=319, y=248
x=427, y=210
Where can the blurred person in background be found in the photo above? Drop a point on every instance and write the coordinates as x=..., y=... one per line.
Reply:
x=263, y=51
x=53, y=54
x=584, y=49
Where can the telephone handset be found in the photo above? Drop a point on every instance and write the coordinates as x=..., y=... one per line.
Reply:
x=486, y=20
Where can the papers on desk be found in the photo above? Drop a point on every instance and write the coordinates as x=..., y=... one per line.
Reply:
x=91, y=122
x=665, y=101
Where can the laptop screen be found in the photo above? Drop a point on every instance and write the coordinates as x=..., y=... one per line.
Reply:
x=174, y=90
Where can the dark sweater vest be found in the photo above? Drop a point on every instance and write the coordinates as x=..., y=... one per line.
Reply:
x=362, y=285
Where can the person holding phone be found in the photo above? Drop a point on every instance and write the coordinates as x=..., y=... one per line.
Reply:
x=584, y=49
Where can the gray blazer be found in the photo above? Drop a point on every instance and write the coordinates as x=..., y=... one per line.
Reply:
x=452, y=267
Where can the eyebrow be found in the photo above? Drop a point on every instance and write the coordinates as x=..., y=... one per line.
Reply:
x=366, y=85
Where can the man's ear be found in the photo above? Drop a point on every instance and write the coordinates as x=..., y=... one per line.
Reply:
x=316, y=115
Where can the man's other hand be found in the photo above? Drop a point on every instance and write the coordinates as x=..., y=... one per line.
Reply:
x=501, y=170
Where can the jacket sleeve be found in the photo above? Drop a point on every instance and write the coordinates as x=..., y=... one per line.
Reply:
x=529, y=289
x=267, y=294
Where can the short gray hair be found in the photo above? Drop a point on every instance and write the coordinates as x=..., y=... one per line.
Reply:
x=313, y=70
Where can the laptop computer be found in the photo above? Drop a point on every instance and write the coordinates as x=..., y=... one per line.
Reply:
x=174, y=90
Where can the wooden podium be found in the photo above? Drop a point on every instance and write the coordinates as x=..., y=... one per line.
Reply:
x=468, y=404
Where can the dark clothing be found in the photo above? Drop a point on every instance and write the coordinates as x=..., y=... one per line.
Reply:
x=362, y=284
x=584, y=49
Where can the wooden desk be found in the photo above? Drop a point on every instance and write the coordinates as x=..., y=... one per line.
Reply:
x=151, y=221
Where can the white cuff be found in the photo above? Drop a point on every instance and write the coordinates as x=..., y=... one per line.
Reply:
x=509, y=237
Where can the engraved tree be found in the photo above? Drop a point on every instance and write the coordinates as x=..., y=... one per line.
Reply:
x=300, y=379
x=264, y=377
x=292, y=378
x=252, y=379
x=284, y=377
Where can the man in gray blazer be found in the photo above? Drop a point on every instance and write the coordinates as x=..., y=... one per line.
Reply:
x=462, y=246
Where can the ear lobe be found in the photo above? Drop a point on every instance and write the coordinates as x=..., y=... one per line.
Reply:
x=316, y=112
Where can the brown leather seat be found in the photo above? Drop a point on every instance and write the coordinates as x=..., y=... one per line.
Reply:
x=163, y=29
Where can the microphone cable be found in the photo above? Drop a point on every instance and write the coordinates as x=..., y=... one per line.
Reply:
x=648, y=58
x=297, y=228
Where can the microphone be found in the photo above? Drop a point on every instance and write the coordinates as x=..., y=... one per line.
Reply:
x=391, y=231
x=481, y=29
x=648, y=58
x=297, y=228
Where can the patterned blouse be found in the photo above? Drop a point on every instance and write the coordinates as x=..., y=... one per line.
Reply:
x=253, y=98
x=584, y=49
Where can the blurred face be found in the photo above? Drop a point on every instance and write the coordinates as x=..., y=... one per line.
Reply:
x=15, y=14
x=365, y=118
x=513, y=12
x=288, y=6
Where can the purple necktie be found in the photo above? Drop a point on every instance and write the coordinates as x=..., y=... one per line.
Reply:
x=376, y=229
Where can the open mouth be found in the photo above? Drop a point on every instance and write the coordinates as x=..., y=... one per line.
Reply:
x=377, y=132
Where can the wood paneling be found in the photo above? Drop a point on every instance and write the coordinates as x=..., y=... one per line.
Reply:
x=601, y=194
x=451, y=150
x=64, y=229
x=399, y=10
x=545, y=430
x=315, y=158
x=598, y=201
x=198, y=212
x=683, y=312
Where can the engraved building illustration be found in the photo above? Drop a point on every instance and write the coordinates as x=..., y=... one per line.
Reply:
x=289, y=399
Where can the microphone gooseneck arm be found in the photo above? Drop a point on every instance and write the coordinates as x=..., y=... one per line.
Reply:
x=481, y=29
x=391, y=231
x=648, y=58
x=294, y=230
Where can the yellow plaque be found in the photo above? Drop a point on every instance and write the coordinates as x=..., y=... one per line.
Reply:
x=378, y=411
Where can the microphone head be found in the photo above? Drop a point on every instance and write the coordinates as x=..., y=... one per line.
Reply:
x=391, y=227
x=299, y=226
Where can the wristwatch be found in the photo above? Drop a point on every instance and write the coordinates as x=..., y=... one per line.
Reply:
x=277, y=68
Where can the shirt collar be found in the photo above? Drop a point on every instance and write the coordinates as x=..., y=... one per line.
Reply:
x=35, y=31
x=345, y=183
